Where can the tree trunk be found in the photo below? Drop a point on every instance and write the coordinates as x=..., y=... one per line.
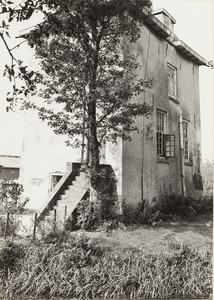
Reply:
x=94, y=145
x=93, y=142
x=93, y=154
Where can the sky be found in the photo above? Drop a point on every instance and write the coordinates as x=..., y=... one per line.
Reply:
x=194, y=26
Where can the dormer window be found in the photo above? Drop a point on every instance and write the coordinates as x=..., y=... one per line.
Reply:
x=163, y=16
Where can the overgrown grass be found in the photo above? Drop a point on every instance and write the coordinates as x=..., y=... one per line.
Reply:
x=77, y=267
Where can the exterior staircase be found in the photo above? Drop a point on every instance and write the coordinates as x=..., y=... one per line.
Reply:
x=62, y=201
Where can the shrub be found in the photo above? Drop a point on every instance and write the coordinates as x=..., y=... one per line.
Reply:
x=167, y=208
x=131, y=214
x=55, y=237
x=185, y=206
x=91, y=213
x=10, y=196
x=10, y=256
x=88, y=214
x=11, y=202
x=144, y=213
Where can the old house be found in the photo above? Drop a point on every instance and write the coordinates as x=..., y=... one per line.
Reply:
x=162, y=158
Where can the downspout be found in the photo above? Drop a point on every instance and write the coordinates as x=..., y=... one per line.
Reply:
x=180, y=125
x=143, y=121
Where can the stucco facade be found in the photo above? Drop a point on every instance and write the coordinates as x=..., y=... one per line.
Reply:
x=148, y=173
x=45, y=158
x=163, y=157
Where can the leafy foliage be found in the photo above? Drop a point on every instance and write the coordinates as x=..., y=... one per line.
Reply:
x=207, y=175
x=88, y=214
x=10, y=197
x=79, y=46
x=11, y=202
x=91, y=214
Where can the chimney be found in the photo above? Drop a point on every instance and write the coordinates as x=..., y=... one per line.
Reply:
x=162, y=15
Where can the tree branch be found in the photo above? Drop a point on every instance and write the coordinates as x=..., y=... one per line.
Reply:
x=8, y=49
x=18, y=45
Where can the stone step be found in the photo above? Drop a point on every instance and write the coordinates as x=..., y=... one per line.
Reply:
x=70, y=198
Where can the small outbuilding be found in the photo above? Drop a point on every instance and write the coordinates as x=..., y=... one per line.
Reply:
x=9, y=167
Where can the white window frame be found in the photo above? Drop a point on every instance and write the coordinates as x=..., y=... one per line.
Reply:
x=172, y=81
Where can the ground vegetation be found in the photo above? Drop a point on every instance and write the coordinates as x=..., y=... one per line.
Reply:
x=77, y=266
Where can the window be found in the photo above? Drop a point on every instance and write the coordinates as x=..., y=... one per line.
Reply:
x=160, y=127
x=55, y=178
x=186, y=140
x=169, y=145
x=172, y=87
x=165, y=142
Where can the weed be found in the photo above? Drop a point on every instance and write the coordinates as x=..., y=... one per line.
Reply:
x=10, y=256
x=55, y=237
x=76, y=267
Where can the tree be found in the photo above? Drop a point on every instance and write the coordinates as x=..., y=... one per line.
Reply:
x=207, y=175
x=10, y=197
x=80, y=48
x=11, y=203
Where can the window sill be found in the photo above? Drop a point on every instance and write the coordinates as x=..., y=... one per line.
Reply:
x=174, y=99
x=162, y=160
x=187, y=163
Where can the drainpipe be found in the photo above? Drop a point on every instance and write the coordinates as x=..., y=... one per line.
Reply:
x=180, y=124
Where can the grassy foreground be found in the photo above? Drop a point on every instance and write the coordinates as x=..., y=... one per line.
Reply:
x=64, y=265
